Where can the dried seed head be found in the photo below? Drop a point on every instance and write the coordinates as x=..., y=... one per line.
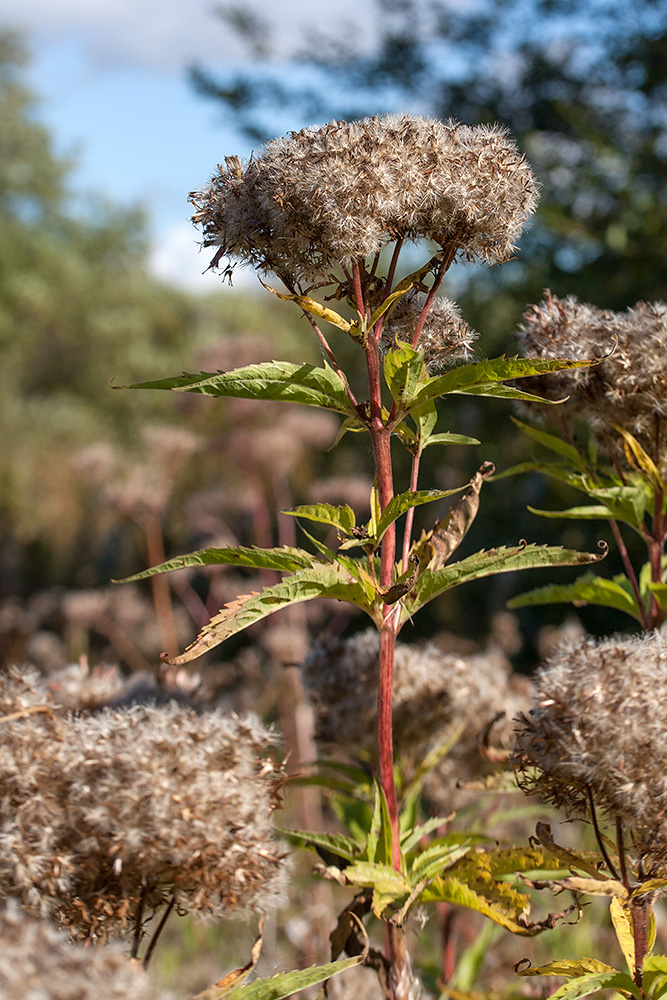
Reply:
x=433, y=693
x=598, y=723
x=331, y=195
x=628, y=389
x=445, y=337
x=137, y=803
x=37, y=962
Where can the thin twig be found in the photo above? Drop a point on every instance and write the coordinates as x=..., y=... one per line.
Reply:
x=331, y=358
x=394, y=261
x=629, y=569
x=136, y=940
x=621, y=854
x=437, y=281
x=158, y=931
x=598, y=836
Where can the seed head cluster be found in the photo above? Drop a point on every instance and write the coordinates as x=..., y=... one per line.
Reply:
x=445, y=337
x=105, y=813
x=331, y=195
x=37, y=962
x=629, y=388
x=598, y=723
x=434, y=692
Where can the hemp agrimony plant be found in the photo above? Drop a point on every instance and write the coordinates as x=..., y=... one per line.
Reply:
x=334, y=209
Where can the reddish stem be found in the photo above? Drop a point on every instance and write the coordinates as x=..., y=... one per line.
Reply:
x=437, y=281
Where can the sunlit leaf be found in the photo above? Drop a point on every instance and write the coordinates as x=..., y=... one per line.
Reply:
x=482, y=375
x=287, y=983
x=320, y=580
x=448, y=438
x=341, y=518
x=272, y=380
x=486, y=563
x=313, y=307
x=285, y=560
x=402, y=369
x=570, y=968
x=404, y=501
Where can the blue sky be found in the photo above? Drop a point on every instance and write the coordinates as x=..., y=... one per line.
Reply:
x=111, y=77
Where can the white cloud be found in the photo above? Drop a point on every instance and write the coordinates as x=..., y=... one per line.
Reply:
x=176, y=260
x=166, y=36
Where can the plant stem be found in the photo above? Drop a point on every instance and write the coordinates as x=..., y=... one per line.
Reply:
x=158, y=931
x=629, y=569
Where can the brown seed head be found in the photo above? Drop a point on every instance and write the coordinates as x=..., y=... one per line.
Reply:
x=330, y=195
x=628, y=389
x=103, y=810
x=598, y=723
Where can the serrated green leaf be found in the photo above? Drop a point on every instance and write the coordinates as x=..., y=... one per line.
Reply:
x=588, y=589
x=285, y=560
x=273, y=380
x=432, y=583
x=404, y=501
x=403, y=367
x=553, y=443
x=593, y=982
x=336, y=843
x=341, y=518
x=287, y=983
x=321, y=580
x=481, y=376
x=436, y=858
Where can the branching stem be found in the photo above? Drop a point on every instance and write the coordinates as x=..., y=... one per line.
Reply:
x=598, y=836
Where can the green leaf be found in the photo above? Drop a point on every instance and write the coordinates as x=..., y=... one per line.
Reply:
x=588, y=513
x=341, y=518
x=404, y=501
x=432, y=583
x=287, y=983
x=320, y=580
x=588, y=589
x=439, y=855
x=273, y=380
x=402, y=370
x=586, y=976
x=481, y=376
x=379, y=843
x=337, y=843
x=594, y=982
x=472, y=958
x=388, y=303
x=553, y=443
x=285, y=560
x=425, y=418
x=448, y=438
x=659, y=591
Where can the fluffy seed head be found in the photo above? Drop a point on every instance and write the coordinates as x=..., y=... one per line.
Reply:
x=628, y=389
x=37, y=962
x=330, y=195
x=101, y=811
x=598, y=722
x=445, y=337
x=433, y=693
